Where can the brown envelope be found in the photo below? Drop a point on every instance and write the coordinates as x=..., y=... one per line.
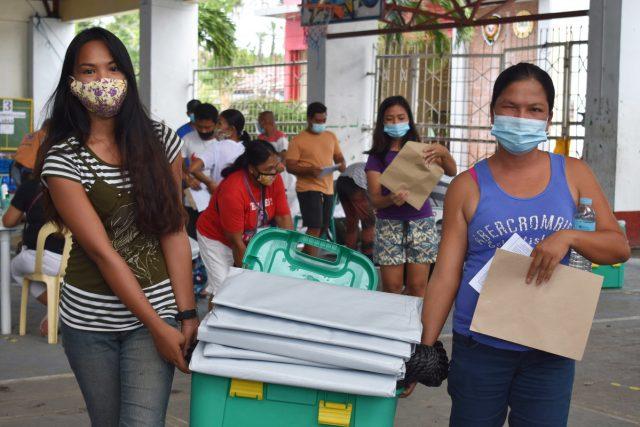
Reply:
x=408, y=172
x=554, y=317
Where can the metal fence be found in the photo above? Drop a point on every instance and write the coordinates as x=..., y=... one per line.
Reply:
x=280, y=87
x=450, y=87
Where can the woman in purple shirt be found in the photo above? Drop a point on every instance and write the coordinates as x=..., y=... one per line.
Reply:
x=406, y=240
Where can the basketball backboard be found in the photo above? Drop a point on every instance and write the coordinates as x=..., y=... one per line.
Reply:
x=323, y=12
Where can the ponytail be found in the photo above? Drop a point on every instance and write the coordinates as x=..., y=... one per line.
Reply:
x=245, y=138
x=235, y=119
x=255, y=153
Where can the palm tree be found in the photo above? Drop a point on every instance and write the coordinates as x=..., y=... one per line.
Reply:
x=273, y=38
x=216, y=30
x=261, y=35
x=439, y=39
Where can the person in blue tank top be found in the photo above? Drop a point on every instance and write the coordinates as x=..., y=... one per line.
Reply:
x=522, y=190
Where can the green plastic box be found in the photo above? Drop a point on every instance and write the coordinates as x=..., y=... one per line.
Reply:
x=225, y=402
x=280, y=406
x=275, y=250
x=613, y=275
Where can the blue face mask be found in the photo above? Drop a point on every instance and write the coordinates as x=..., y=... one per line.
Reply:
x=397, y=130
x=518, y=135
x=192, y=117
x=260, y=129
x=318, y=127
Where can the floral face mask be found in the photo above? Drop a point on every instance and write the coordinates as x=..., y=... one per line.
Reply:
x=103, y=97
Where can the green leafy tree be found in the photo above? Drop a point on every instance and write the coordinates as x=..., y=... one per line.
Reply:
x=216, y=30
x=126, y=27
x=439, y=39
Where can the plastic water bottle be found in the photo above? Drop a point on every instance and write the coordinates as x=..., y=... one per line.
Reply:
x=4, y=187
x=4, y=195
x=583, y=220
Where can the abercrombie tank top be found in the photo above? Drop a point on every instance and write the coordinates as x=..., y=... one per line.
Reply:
x=498, y=216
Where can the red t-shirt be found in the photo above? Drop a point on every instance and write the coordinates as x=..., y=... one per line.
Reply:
x=232, y=210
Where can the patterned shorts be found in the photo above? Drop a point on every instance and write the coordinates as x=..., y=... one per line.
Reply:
x=398, y=242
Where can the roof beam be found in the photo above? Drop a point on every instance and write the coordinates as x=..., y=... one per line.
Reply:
x=74, y=10
x=469, y=23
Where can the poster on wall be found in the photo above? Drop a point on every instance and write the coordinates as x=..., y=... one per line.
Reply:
x=491, y=32
x=15, y=121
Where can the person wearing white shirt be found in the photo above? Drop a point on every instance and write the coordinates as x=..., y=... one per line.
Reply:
x=231, y=136
x=195, y=143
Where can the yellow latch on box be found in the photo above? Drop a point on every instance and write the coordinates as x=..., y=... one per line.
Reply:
x=248, y=389
x=334, y=414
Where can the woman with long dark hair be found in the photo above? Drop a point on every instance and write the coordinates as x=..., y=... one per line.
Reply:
x=113, y=176
x=505, y=194
x=231, y=139
x=406, y=239
x=251, y=196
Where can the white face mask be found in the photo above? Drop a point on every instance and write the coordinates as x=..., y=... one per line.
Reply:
x=222, y=134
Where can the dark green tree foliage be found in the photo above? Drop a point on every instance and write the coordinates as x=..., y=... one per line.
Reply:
x=439, y=39
x=126, y=27
x=216, y=30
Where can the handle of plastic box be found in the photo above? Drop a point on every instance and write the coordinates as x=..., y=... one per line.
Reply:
x=321, y=244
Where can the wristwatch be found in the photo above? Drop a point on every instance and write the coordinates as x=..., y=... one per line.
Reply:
x=186, y=314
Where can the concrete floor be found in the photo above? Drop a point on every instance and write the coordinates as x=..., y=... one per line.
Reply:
x=37, y=388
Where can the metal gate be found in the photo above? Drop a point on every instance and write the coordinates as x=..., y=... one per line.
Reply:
x=280, y=87
x=450, y=88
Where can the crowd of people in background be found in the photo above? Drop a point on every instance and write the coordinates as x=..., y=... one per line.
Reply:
x=119, y=180
x=402, y=240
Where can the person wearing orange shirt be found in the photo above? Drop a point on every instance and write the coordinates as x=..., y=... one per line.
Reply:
x=310, y=155
x=25, y=157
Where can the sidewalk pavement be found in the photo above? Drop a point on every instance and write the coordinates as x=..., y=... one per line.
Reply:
x=38, y=389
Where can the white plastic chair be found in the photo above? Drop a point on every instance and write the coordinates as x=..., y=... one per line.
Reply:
x=52, y=282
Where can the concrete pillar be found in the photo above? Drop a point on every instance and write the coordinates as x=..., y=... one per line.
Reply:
x=48, y=42
x=316, y=68
x=343, y=74
x=168, y=56
x=613, y=106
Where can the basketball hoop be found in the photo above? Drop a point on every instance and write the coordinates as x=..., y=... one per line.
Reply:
x=316, y=15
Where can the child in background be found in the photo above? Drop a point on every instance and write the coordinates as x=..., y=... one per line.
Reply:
x=268, y=131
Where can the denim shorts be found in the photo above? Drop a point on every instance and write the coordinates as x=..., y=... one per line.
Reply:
x=398, y=242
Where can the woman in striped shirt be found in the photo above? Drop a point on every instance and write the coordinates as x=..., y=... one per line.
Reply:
x=113, y=177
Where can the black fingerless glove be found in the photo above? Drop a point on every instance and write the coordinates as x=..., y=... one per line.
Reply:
x=429, y=365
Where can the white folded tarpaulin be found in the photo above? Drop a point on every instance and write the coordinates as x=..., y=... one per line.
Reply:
x=231, y=318
x=342, y=357
x=222, y=351
x=337, y=380
x=380, y=314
